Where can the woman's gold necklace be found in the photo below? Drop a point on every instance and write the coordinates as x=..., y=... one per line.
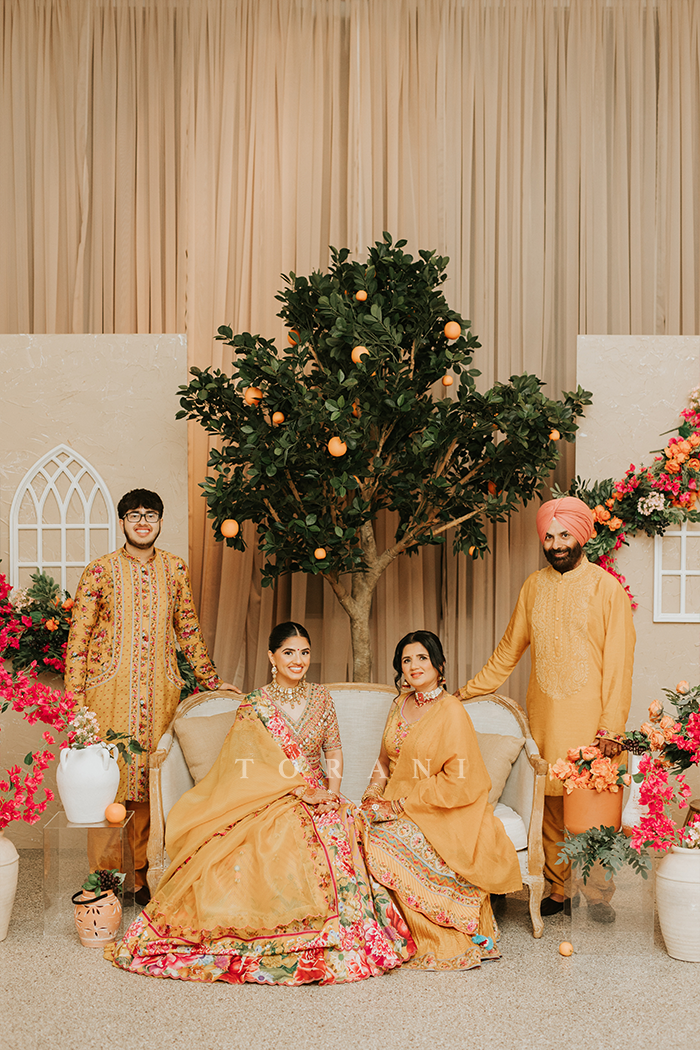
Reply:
x=294, y=696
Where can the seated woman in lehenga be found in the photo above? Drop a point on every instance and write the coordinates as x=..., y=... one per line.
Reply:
x=431, y=836
x=267, y=882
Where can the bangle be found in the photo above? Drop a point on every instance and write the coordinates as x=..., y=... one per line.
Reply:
x=397, y=806
x=373, y=791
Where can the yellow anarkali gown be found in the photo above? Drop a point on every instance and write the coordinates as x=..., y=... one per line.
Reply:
x=448, y=852
x=262, y=887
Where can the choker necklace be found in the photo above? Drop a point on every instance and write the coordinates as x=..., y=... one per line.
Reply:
x=294, y=696
x=425, y=698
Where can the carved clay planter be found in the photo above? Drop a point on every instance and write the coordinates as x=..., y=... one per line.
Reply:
x=97, y=919
x=585, y=808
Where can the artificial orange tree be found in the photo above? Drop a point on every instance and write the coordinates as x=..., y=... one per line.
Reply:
x=352, y=419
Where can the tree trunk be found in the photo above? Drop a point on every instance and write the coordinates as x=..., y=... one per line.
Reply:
x=361, y=642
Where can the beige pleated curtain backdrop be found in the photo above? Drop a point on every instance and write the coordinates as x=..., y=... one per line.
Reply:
x=163, y=161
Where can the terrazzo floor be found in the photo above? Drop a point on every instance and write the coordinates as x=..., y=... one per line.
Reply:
x=619, y=989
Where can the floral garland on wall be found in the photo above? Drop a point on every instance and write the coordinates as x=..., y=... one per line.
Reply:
x=647, y=500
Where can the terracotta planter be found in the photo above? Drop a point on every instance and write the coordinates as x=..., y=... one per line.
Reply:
x=97, y=919
x=585, y=808
x=678, y=902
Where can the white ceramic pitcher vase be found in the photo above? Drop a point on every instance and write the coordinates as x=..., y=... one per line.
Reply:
x=87, y=780
x=678, y=902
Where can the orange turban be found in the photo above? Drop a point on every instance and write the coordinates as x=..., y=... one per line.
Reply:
x=572, y=513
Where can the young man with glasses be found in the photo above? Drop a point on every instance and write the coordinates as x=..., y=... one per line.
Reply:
x=132, y=609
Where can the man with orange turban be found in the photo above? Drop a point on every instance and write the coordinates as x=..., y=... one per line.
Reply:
x=577, y=620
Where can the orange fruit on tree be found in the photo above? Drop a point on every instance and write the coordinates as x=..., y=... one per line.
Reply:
x=115, y=813
x=229, y=528
x=358, y=353
x=453, y=330
x=336, y=447
x=293, y=337
x=447, y=380
x=252, y=395
x=472, y=551
x=361, y=295
x=277, y=418
x=492, y=488
x=356, y=410
x=554, y=435
x=320, y=553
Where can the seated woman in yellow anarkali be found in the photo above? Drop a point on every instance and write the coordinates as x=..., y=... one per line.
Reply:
x=431, y=836
x=267, y=882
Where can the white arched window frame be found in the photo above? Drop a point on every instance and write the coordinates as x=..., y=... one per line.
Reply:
x=59, y=462
x=682, y=571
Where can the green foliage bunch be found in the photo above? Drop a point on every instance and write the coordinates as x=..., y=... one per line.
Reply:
x=438, y=462
x=45, y=612
x=611, y=848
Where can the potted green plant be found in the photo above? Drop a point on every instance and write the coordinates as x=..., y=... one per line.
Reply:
x=98, y=909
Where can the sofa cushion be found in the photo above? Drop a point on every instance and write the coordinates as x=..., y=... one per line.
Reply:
x=201, y=739
x=499, y=752
x=514, y=825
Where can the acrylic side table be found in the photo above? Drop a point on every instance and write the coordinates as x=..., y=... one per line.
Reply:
x=71, y=852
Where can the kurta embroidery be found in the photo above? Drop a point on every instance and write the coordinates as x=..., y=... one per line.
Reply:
x=128, y=618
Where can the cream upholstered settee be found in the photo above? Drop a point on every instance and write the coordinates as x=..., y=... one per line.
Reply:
x=189, y=746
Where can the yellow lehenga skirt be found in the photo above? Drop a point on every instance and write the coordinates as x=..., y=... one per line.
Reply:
x=443, y=858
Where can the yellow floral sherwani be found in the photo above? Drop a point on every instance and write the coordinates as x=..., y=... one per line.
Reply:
x=579, y=627
x=121, y=654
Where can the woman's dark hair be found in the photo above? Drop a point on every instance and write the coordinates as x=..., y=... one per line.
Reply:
x=283, y=631
x=429, y=641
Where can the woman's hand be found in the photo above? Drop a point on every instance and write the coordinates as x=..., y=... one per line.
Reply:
x=324, y=800
x=380, y=809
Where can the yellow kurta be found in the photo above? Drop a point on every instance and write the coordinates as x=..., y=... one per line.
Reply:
x=121, y=658
x=579, y=627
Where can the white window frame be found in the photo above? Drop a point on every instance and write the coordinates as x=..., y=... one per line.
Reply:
x=681, y=572
x=51, y=466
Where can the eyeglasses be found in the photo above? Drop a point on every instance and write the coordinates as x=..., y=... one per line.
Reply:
x=134, y=516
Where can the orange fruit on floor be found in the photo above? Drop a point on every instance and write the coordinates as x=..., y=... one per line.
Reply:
x=358, y=353
x=554, y=435
x=361, y=295
x=447, y=380
x=252, y=395
x=320, y=553
x=229, y=528
x=277, y=418
x=336, y=447
x=115, y=813
x=293, y=337
x=453, y=330
x=566, y=948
